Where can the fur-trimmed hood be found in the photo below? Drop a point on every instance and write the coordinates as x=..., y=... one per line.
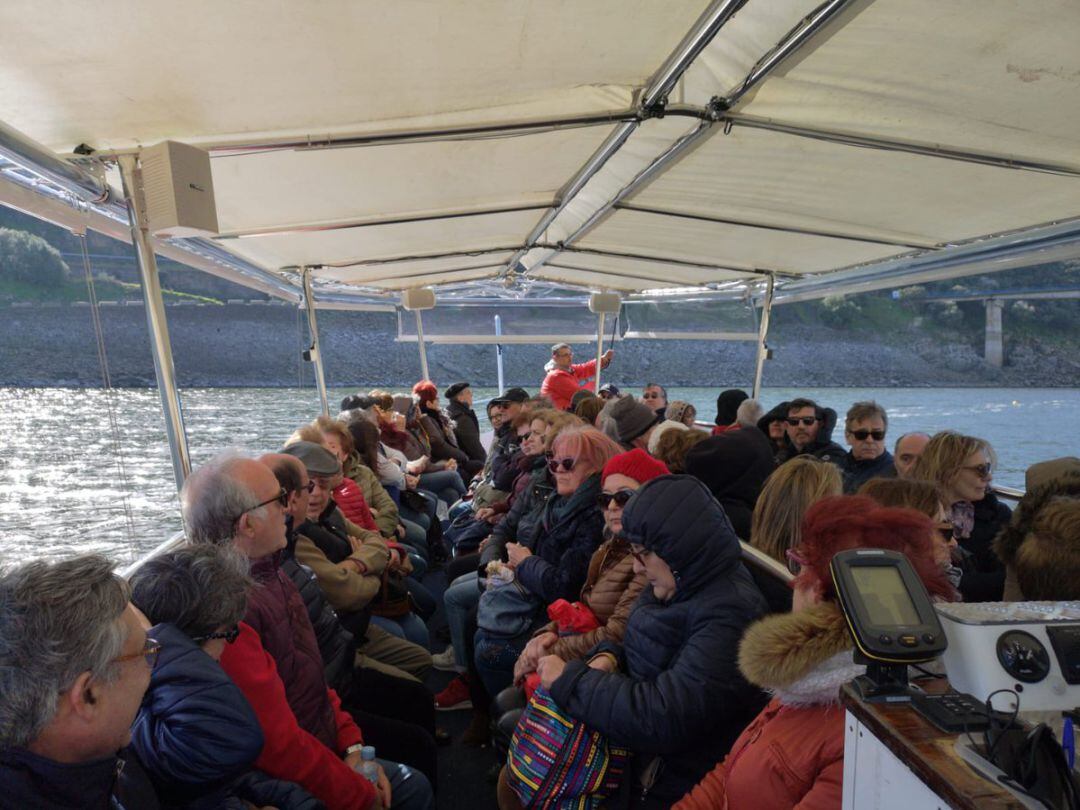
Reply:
x=1008, y=541
x=803, y=658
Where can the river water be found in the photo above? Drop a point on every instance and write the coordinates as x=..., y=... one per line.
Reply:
x=70, y=481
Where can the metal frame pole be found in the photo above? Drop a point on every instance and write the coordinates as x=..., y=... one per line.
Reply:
x=160, y=345
x=499, y=354
x=763, y=334
x=420, y=343
x=316, y=349
x=599, y=350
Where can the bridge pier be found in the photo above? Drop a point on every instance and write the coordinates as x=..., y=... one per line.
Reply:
x=994, y=352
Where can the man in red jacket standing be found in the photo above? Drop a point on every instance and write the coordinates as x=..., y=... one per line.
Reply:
x=561, y=382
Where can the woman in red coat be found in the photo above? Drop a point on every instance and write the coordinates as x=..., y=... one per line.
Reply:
x=792, y=754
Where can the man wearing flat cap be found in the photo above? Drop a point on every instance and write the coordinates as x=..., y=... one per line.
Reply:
x=459, y=398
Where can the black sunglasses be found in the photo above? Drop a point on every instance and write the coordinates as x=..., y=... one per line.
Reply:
x=309, y=487
x=806, y=420
x=621, y=498
x=282, y=498
x=946, y=530
x=862, y=435
x=229, y=635
x=567, y=464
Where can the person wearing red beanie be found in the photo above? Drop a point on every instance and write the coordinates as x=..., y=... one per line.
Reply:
x=636, y=464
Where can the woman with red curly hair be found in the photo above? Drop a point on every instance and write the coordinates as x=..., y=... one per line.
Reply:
x=440, y=431
x=792, y=754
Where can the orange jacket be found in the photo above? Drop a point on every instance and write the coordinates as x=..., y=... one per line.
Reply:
x=788, y=757
x=560, y=386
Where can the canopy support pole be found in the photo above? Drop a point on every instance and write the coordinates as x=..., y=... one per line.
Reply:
x=499, y=354
x=316, y=349
x=599, y=350
x=420, y=342
x=131, y=176
x=763, y=335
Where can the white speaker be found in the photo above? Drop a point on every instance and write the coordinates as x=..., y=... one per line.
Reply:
x=179, y=190
x=418, y=298
x=608, y=303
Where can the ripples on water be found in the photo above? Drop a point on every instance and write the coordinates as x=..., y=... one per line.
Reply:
x=67, y=484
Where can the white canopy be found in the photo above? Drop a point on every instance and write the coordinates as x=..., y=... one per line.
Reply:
x=627, y=145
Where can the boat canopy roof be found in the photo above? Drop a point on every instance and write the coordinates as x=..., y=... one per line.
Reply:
x=525, y=149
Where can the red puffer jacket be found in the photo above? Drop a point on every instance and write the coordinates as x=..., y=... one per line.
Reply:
x=350, y=500
x=290, y=752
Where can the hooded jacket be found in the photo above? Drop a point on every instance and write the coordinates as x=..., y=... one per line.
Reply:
x=823, y=447
x=792, y=754
x=111, y=783
x=680, y=697
x=570, y=530
x=1011, y=537
x=195, y=732
x=734, y=466
x=467, y=430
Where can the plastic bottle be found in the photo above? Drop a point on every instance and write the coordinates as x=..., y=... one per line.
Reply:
x=368, y=766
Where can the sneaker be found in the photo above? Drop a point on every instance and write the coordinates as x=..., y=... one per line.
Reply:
x=445, y=660
x=454, y=697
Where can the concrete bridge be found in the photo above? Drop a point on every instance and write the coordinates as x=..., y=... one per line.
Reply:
x=994, y=351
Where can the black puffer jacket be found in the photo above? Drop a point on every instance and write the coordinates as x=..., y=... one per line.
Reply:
x=823, y=446
x=680, y=696
x=111, y=783
x=734, y=466
x=524, y=516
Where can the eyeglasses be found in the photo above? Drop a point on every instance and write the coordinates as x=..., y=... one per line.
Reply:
x=229, y=635
x=806, y=420
x=863, y=435
x=151, y=649
x=621, y=497
x=946, y=530
x=981, y=470
x=639, y=554
x=282, y=498
x=566, y=464
x=309, y=487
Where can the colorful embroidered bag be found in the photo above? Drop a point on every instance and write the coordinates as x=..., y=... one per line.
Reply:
x=557, y=763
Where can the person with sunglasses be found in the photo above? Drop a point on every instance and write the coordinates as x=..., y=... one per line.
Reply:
x=864, y=431
x=962, y=468
x=196, y=733
x=563, y=378
x=611, y=585
x=671, y=691
x=75, y=661
x=808, y=432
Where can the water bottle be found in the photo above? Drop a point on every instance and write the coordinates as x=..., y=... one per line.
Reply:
x=368, y=767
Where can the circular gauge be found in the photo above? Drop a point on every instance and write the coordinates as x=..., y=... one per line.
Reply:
x=1023, y=656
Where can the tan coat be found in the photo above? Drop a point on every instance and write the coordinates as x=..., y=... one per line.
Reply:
x=610, y=590
x=382, y=506
x=344, y=588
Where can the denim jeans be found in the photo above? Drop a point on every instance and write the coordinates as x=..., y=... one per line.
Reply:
x=495, y=659
x=416, y=537
x=446, y=484
x=409, y=627
x=463, y=594
x=409, y=789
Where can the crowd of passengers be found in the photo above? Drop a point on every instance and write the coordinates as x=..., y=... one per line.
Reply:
x=592, y=554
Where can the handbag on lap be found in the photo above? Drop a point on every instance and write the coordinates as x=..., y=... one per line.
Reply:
x=558, y=763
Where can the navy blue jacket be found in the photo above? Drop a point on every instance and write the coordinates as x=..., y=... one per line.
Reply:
x=113, y=783
x=563, y=544
x=856, y=472
x=679, y=696
x=195, y=732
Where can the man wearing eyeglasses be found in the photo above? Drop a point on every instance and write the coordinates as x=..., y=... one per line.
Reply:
x=563, y=375
x=864, y=430
x=75, y=662
x=809, y=430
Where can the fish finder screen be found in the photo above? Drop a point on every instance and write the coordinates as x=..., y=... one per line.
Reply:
x=882, y=591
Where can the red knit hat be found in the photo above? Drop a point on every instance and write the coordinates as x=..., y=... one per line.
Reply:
x=636, y=464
